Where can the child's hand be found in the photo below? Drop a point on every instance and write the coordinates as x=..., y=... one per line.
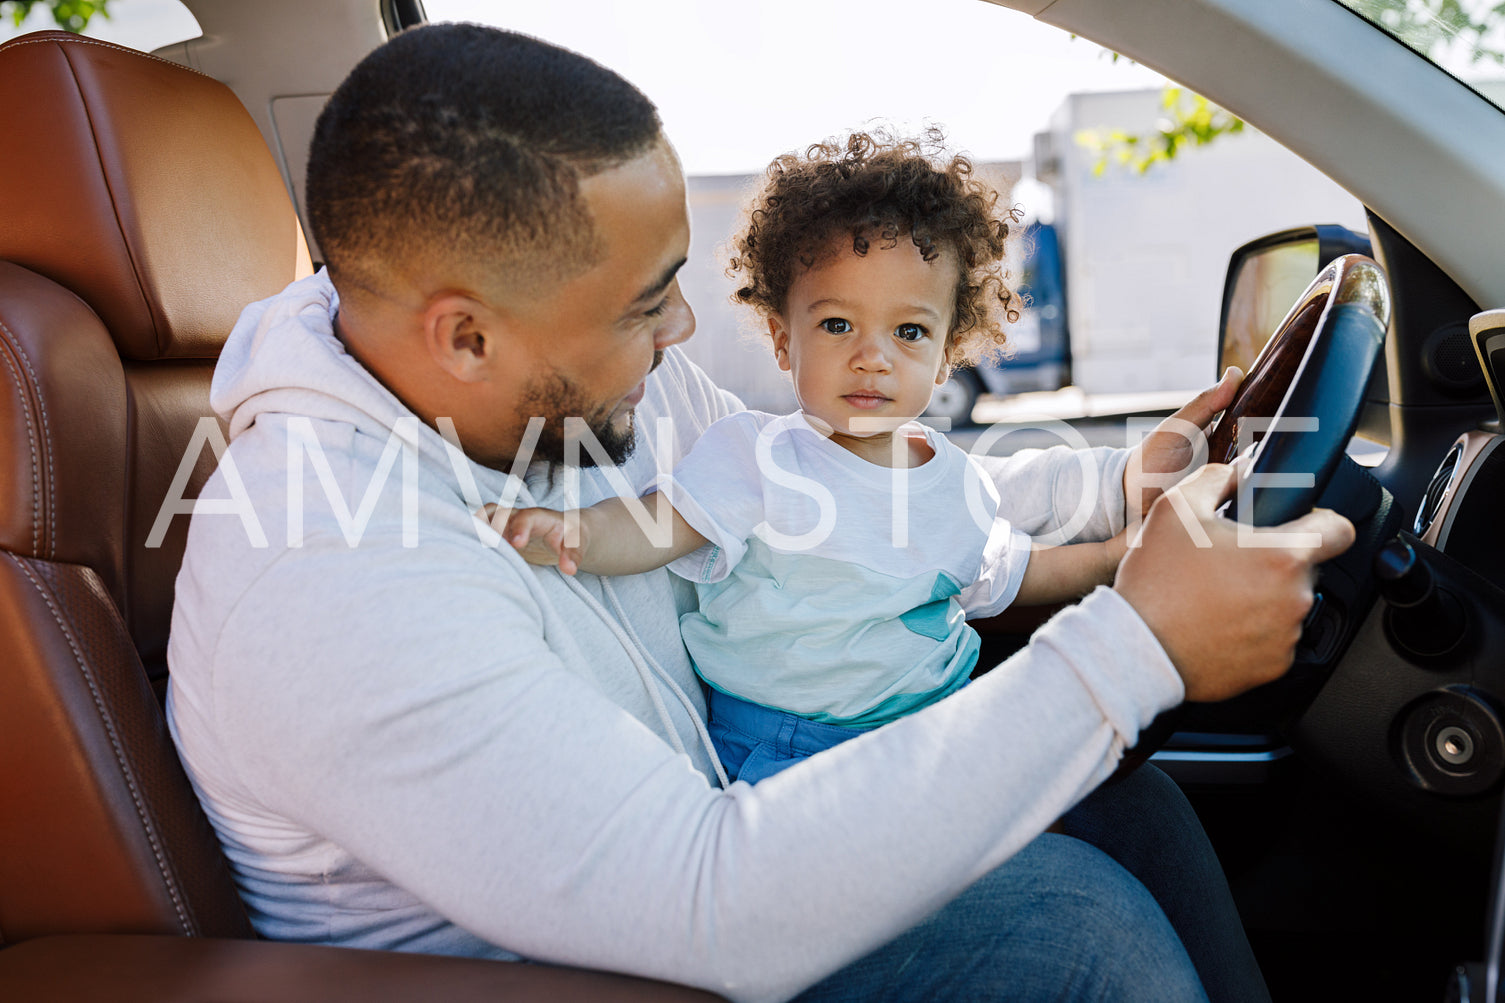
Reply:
x=539, y=535
x=1175, y=448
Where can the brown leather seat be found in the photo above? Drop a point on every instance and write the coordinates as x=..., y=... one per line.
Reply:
x=140, y=210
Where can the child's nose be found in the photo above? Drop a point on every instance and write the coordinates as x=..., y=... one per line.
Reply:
x=870, y=356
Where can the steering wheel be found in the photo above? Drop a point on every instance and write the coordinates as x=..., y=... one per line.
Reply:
x=1304, y=392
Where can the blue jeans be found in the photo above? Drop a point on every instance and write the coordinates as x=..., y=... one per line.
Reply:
x=754, y=742
x=1129, y=904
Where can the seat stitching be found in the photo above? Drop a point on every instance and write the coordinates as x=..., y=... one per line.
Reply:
x=16, y=44
x=115, y=204
x=36, y=474
x=120, y=757
x=51, y=524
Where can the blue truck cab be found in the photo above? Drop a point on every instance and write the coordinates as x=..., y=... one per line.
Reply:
x=1039, y=353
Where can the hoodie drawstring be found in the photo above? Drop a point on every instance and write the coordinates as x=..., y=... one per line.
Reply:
x=674, y=687
x=647, y=669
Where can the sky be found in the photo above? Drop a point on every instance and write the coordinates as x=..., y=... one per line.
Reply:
x=738, y=83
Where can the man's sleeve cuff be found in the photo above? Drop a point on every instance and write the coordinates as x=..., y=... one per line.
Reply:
x=1118, y=659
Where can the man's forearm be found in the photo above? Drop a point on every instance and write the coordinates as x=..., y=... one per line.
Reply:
x=662, y=874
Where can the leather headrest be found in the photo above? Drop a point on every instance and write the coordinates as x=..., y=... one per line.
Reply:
x=63, y=433
x=143, y=187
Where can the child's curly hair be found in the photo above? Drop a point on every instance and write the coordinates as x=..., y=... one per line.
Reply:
x=875, y=187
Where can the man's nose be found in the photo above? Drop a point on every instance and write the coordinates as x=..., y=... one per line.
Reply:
x=679, y=323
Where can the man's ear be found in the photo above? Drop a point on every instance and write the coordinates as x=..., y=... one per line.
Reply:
x=780, y=335
x=461, y=335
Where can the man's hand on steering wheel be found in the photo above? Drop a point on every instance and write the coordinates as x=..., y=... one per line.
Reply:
x=1227, y=613
x=1174, y=448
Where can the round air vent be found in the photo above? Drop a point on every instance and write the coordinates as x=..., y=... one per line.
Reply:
x=1432, y=501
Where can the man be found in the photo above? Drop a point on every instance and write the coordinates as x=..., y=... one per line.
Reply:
x=408, y=738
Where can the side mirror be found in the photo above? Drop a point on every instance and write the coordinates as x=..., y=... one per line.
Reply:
x=1265, y=279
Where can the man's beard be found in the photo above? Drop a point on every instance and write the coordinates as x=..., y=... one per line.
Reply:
x=555, y=399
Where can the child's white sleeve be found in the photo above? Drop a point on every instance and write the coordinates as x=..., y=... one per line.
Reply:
x=1061, y=495
x=1004, y=558
x=716, y=489
x=1005, y=551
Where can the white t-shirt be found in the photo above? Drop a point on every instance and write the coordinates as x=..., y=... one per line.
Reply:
x=832, y=587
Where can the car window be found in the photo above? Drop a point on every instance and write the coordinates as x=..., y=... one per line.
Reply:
x=1140, y=259
x=140, y=24
x=1464, y=37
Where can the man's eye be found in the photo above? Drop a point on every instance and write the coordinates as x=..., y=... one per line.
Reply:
x=658, y=311
x=836, y=325
x=910, y=332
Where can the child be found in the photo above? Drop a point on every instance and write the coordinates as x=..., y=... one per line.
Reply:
x=838, y=551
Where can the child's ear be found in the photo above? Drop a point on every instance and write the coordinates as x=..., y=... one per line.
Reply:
x=944, y=373
x=780, y=335
x=460, y=334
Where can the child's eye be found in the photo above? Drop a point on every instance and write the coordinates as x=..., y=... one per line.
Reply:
x=836, y=325
x=910, y=332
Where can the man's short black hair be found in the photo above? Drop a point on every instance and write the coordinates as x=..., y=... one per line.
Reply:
x=468, y=142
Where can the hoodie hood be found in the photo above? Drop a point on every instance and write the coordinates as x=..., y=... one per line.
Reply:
x=283, y=356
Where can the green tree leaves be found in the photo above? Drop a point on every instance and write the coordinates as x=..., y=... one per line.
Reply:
x=70, y=15
x=1189, y=120
x=1433, y=26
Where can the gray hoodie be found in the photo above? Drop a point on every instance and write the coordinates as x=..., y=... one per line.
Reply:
x=408, y=738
